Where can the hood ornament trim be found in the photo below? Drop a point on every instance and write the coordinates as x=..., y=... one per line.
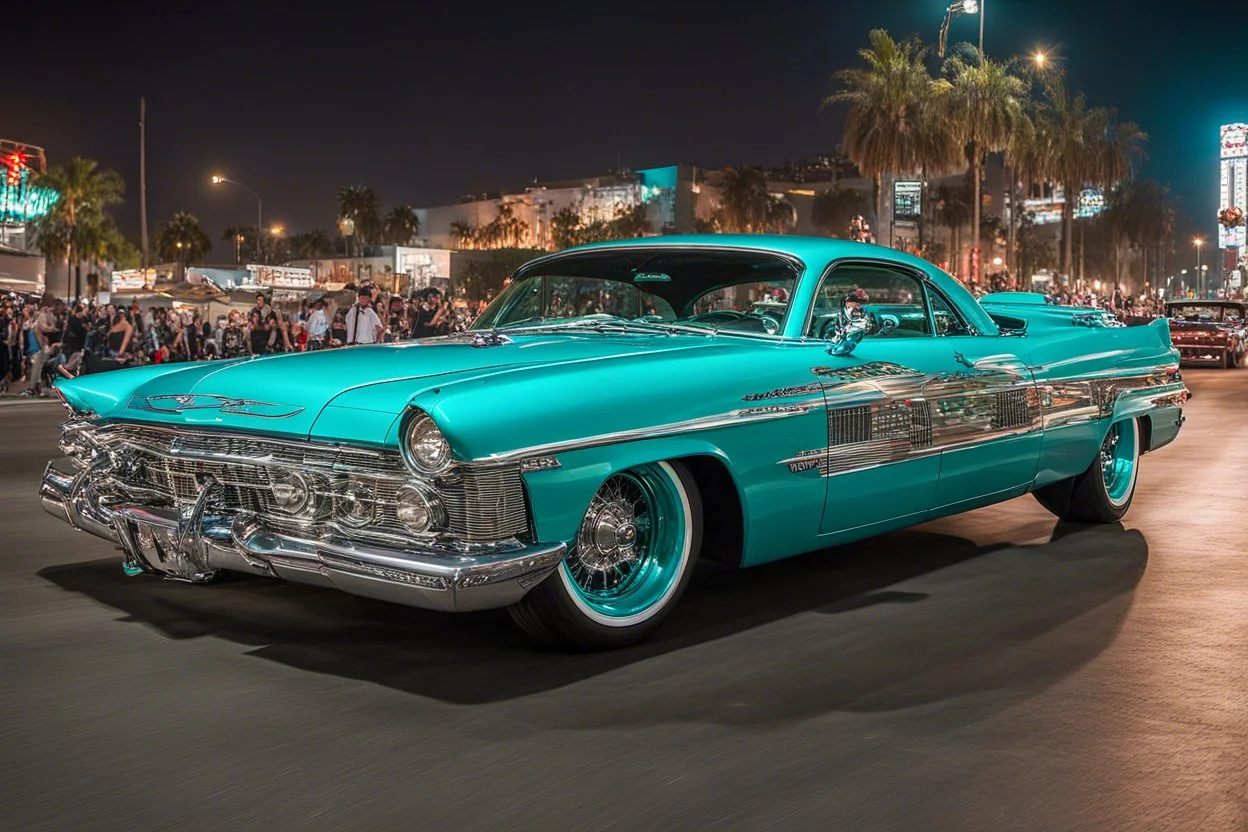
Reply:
x=184, y=402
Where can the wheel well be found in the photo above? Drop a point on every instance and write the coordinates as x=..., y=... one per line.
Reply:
x=1146, y=434
x=723, y=525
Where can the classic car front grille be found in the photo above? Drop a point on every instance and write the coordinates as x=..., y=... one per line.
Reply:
x=482, y=504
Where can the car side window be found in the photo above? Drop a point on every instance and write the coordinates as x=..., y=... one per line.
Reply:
x=892, y=299
x=947, y=319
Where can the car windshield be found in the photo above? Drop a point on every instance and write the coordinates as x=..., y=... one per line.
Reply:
x=712, y=289
x=1207, y=312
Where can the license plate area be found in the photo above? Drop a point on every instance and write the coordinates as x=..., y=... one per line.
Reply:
x=153, y=541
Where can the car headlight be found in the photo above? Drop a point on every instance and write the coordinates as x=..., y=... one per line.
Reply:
x=291, y=492
x=356, y=504
x=416, y=510
x=424, y=447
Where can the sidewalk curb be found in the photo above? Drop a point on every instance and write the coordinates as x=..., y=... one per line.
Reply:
x=17, y=401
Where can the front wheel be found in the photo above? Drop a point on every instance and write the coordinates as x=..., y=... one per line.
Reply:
x=1102, y=493
x=631, y=560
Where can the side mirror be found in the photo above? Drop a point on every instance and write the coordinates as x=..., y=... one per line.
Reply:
x=848, y=330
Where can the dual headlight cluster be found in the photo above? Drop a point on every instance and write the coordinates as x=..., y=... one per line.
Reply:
x=357, y=501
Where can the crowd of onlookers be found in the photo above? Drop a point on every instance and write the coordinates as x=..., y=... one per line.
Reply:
x=45, y=337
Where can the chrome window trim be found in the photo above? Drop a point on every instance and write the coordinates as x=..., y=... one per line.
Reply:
x=926, y=284
x=572, y=253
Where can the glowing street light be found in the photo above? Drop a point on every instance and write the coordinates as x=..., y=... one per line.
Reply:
x=1200, y=273
x=1040, y=59
x=958, y=7
x=277, y=230
x=221, y=180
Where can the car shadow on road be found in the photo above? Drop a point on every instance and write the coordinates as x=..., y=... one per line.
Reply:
x=895, y=608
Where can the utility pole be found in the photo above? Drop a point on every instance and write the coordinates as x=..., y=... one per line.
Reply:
x=143, y=178
x=982, y=4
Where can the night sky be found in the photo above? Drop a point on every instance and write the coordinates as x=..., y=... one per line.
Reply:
x=424, y=102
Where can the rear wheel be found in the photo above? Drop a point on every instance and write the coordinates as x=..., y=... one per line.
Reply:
x=1102, y=493
x=631, y=560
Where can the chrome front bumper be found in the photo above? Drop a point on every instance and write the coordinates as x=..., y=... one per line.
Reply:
x=193, y=546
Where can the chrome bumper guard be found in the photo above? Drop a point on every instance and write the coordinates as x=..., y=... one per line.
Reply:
x=193, y=546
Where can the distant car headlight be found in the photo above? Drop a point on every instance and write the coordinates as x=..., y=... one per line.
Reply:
x=356, y=505
x=291, y=492
x=424, y=447
x=417, y=510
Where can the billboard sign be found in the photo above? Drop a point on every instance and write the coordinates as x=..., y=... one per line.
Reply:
x=280, y=277
x=1233, y=182
x=907, y=200
x=1234, y=140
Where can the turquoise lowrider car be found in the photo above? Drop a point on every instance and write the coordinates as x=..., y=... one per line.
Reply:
x=618, y=412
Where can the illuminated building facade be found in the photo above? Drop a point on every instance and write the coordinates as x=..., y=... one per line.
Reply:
x=1233, y=181
x=21, y=199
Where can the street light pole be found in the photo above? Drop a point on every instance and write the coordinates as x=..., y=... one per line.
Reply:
x=221, y=180
x=1200, y=278
x=982, y=4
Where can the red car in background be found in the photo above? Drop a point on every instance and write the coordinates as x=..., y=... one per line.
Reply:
x=1208, y=331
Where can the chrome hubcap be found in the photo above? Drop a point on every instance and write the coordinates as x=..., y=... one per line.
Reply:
x=613, y=538
x=1109, y=450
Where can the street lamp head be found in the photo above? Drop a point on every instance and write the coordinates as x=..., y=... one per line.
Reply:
x=1039, y=58
x=1198, y=242
x=277, y=230
x=217, y=180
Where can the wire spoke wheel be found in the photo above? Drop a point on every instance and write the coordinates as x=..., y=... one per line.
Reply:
x=631, y=547
x=1118, y=458
x=627, y=564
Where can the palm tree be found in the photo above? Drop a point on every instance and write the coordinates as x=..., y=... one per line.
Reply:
x=311, y=245
x=746, y=205
x=182, y=239
x=243, y=237
x=360, y=204
x=781, y=217
x=985, y=103
x=953, y=210
x=402, y=225
x=80, y=185
x=463, y=234
x=893, y=124
x=832, y=211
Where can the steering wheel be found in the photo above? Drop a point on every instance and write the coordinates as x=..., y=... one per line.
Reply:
x=719, y=316
x=769, y=322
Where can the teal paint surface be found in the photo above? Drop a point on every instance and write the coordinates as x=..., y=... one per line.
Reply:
x=544, y=388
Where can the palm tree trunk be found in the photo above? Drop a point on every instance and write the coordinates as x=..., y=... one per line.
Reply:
x=1068, y=227
x=1011, y=261
x=922, y=208
x=977, y=160
x=877, y=194
x=1082, y=230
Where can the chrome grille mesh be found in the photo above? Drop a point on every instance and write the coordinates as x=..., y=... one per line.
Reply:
x=1011, y=410
x=848, y=425
x=482, y=504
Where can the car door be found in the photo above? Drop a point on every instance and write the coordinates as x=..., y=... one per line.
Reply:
x=924, y=415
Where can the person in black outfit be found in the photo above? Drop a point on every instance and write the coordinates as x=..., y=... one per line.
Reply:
x=259, y=333
x=73, y=342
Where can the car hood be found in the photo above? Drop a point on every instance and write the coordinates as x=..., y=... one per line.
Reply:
x=285, y=394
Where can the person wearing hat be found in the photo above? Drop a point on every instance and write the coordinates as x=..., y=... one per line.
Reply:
x=363, y=325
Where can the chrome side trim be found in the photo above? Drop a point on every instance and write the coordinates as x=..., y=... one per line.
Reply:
x=731, y=419
x=181, y=403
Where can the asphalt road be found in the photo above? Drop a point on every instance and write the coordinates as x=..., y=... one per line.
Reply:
x=983, y=672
